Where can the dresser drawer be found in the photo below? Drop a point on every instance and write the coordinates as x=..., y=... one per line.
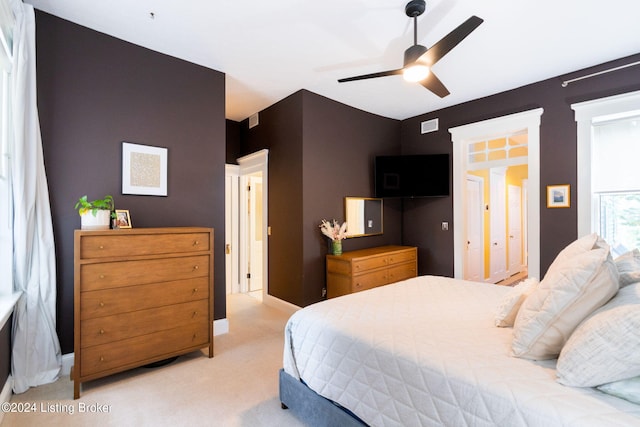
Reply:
x=369, y=280
x=127, y=273
x=131, y=298
x=402, y=256
x=135, y=351
x=103, y=246
x=401, y=272
x=102, y=330
x=369, y=263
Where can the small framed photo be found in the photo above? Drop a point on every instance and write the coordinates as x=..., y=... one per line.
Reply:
x=144, y=169
x=123, y=219
x=558, y=196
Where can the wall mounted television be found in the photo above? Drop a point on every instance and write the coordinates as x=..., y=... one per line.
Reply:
x=422, y=175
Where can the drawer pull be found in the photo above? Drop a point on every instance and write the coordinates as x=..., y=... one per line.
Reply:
x=195, y=268
x=101, y=247
x=101, y=304
x=101, y=276
x=194, y=336
x=195, y=313
x=196, y=243
x=101, y=331
x=102, y=358
x=195, y=290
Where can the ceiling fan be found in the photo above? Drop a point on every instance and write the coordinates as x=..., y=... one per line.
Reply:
x=418, y=60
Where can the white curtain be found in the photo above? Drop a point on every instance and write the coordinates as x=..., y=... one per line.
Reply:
x=36, y=357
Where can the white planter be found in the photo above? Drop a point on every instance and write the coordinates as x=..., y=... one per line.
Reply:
x=100, y=221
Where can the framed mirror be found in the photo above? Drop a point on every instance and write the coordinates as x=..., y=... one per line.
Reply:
x=363, y=215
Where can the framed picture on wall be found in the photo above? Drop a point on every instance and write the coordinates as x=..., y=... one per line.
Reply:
x=558, y=196
x=123, y=219
x=144, y=170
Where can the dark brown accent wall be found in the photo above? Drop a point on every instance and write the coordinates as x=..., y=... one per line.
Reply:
x=558, y=227
x=234, y=135
x=94, y=92
x=319, y=152
x=5, y=351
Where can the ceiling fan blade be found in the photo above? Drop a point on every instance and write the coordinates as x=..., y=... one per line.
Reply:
x=434, y=84
x=372, y=75
x=451, y=40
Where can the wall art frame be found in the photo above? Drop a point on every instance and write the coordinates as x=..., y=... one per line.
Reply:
x=559, y=196
x=144, y=169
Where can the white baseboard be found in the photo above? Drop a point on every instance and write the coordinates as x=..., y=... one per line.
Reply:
x=5, y=395
x=220, y=326
x=67, y=363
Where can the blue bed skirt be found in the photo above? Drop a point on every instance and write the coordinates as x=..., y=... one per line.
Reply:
x=311, y=408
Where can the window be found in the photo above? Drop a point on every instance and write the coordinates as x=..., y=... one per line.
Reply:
x=615, y=180
x=608, y=175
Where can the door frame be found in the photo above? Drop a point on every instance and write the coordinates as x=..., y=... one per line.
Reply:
x=461, y=136
x=232, y=229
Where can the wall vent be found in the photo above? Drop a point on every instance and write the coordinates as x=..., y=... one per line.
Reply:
x=254, y=120
x=429, y=126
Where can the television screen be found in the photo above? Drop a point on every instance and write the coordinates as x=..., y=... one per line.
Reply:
x=423, y=175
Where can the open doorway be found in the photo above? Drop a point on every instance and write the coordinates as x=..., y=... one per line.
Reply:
x=495, y=147
x=495, y=223
x=246, y=245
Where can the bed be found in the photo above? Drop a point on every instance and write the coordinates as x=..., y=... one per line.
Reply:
x=427, y=352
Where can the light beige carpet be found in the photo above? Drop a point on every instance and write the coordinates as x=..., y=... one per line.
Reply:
x=237, y=387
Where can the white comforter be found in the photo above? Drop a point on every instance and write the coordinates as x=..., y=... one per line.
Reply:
x=426, y=352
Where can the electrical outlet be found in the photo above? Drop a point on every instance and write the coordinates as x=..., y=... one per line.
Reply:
x=445, y=226
x=324, y=292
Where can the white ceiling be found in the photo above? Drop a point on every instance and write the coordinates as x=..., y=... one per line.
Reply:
x=271, y=49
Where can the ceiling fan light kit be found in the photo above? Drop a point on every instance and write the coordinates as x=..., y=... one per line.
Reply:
x=418, y=60
x=416, y=72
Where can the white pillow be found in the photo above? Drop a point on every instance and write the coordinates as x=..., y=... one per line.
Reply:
x=577, y=247
x=511, y=302
x=606, y=346
x=565, y=297
x=628, y=267
x=628, y=389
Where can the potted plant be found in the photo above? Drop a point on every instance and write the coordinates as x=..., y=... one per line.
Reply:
x=95, y=215
x=336, y=232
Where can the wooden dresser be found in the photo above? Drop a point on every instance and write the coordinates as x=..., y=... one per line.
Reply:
x=355, y=271
x=140, y=296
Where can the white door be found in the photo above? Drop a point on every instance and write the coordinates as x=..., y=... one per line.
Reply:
x=498, y=224
x=474, y=255
x=231, y=217
x=515, y=229
x=255, y=226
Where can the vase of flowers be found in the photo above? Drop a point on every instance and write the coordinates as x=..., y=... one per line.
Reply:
x=336, y=232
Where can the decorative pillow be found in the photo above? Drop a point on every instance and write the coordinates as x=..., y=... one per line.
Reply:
x=628, y=389
x=577, y=247
x=511, y=302
x=606, y=346
x=565, y=297
x=628, y=267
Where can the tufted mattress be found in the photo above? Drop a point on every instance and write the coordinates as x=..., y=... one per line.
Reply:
x=425, y=352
